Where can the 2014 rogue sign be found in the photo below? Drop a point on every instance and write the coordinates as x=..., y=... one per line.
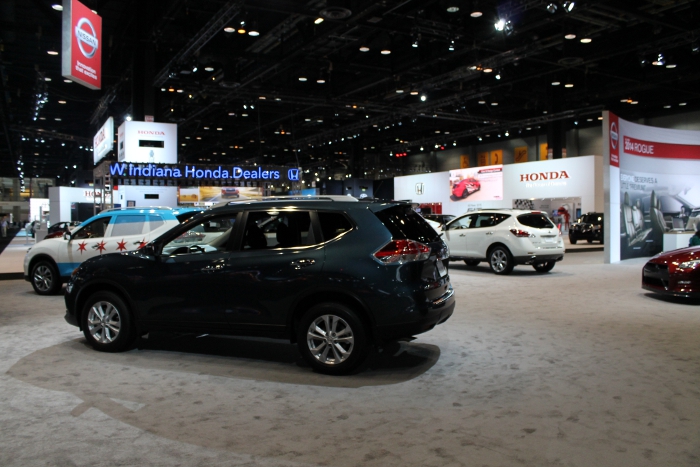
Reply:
x=193, y=172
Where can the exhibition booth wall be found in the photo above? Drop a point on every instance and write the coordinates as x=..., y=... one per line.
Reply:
x=652, y=182
x=506, y=186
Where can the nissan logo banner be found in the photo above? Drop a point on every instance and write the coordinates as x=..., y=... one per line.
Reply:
x=81, y=50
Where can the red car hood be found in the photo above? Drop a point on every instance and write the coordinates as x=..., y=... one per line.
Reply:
x=675, y=257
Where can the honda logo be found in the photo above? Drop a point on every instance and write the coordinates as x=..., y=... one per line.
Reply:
x=419, y=188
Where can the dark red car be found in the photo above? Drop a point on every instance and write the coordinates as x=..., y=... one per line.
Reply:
x=675, y=273
x=466, y=187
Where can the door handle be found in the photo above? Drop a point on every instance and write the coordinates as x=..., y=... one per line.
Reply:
x=213, y=268
x=462, y=235
x=302, y=263
x=489, y=233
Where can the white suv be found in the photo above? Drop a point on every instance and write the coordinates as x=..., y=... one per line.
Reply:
x=50, y=262
x=504, y=238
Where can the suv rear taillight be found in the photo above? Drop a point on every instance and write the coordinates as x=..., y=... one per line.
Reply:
x=521, y=233
x=402, y=251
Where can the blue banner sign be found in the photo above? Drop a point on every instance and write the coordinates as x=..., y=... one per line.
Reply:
x=202, y=172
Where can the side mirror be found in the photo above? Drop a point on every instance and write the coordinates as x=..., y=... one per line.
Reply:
x=148, y=250
x=66, y=236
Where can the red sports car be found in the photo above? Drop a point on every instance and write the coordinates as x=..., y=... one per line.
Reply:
x=466, y=187
x=675, y=273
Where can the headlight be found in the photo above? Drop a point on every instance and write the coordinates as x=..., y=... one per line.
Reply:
x=692, y=264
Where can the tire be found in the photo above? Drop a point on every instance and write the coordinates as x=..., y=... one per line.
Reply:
x=472, y=262
x=544, y=267
x=348, y=333
x=45, y=278
x=572, y=240
x=590, y=240
x=107, y=323
x=501, y=261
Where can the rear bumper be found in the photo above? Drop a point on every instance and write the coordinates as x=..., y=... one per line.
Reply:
x=534, y=259
x=438, y=311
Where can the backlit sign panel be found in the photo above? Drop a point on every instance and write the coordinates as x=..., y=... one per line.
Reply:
x=103, y=142
x=81, y=49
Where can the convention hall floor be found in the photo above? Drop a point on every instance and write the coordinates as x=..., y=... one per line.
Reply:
x=579, y=367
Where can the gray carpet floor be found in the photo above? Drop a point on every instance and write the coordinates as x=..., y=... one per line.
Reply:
x=579, y=367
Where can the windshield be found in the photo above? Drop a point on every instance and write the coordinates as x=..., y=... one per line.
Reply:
x=592, y=218
x=405, y=223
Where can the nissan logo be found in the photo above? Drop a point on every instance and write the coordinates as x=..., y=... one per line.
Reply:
x=613, y=135
x=86, y=39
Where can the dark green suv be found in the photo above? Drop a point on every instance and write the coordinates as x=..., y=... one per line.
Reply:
x=334, y=275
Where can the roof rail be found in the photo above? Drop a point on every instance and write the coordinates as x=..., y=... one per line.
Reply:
x=310, y=198
x=136, y=208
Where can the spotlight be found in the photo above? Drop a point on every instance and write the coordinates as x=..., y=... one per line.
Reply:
x=660, y=60
x=508, y=28
x=568, y=6
x=423, y=98
x=451, y=48
x=500, y=25
x=552, y=8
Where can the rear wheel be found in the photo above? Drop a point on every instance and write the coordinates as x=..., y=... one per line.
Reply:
x=45, y=279
x=332, y=338
x=472, y=262
x=544, y=267
x=107, y=323
x=500, y=260
x=572, y=240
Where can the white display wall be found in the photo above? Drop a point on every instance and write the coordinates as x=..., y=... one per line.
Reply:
x=61, y=197
x=577, y=177
x=144, y=196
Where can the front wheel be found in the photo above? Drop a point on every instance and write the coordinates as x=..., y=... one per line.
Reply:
x=501, y=261
x=107, y=323
x=544, y=267
x=572, y=240
x=332, y=339
x=45, y=279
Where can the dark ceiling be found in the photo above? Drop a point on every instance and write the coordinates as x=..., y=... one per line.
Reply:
x=254, y=106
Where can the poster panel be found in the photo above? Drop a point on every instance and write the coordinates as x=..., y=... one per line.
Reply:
x=477, y=184
x=520, y=154
x=659, y=184
x=496, y=157
x=543, y=152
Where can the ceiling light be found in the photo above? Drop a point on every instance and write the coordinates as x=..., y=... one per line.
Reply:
x=229, y=29
x=482, y=102
x=61, y=102
x=399, y=91
x=570, y=36
x=475, y=14
x=385, y=51
x=671, y=65
x=52, y=52
x=494, y=103
x=586, y=40
x=208, y=68
x=569, y=85
x=302, y=78
x=498, y=75
x=500, y=25
x=556, y=83
x=254, y=31
x=364, y=49
x=318, y=20
x=67, y=81
x=682, y=103
x=488, y=70
x=451, y=48
x=452, y=9
x=321, y=81
x=660, y=60
x=423, y=98
x=667, y=106
x=552, y=8
x=414, y=92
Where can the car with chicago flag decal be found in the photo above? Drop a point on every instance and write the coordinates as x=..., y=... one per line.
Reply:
x=50, y=262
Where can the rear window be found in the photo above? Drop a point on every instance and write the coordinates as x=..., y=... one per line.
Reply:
x=405, y=223
x=333, y=224
x=537, y=221
x=128, y=225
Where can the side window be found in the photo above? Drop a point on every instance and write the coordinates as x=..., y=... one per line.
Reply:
x=206, y=236
x=461, y=223
x=490, y=219
x=95, y=229
x=277, y=229
x=333, y=224
x=128, y=225
x=156, y=221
